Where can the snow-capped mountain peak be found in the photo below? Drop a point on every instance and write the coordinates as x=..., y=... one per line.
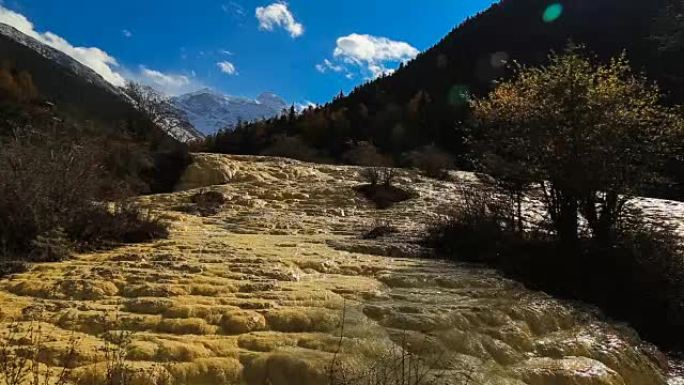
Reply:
x=272, y=100
x=209, y=110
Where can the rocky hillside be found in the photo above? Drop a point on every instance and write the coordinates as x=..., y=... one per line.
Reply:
x=256, y=292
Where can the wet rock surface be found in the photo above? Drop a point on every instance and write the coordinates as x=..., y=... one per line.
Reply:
x=257, y=291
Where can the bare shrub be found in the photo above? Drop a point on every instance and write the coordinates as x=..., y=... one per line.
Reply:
x=387, y=176
x=124, y=222
x=117, y=368
x=365, y=154
x=646, y=262
x=52, y=246
x=20, y=351
x=377, y=166
x=207, y=203
x=380, y=229
x=292, y=147
x=371, y=175
x=397, y=366
x=49, y=191
x=384, y=195
x=432, y=161
x=41, y=185
x=476, y=228
x=378, y=176
x=637, y=278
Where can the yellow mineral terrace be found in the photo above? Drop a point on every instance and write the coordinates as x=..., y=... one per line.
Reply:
x=279, y=288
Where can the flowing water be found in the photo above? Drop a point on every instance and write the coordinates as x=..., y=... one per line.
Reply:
x=279, y=284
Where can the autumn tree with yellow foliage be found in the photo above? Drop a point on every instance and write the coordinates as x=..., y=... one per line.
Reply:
x=588, y=135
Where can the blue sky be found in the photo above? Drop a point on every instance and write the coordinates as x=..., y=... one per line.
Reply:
x=303, y=50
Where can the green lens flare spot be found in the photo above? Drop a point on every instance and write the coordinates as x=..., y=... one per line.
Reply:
x=552, y=13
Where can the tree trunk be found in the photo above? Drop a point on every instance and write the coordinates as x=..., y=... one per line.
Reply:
x=563, y=210
x=605, y=227
x=568, y=223
x=521, y=227
x=602, y=215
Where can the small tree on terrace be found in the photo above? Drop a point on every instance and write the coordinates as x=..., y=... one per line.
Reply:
x=589, y=135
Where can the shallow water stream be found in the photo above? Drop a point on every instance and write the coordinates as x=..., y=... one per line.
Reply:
x=256, y=294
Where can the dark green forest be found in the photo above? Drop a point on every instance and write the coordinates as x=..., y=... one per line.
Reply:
x=426, y=101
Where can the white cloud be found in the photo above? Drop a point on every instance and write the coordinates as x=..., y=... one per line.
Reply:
x=126, y=33
x=163, y=79
x=225, y=52
x=93, y=57
x=278, y=15
x=227, y=67
x=373, y=53
x=367, y=48
x=167, y=83
x=299, y=107
x=327, y=65
x=234, y=8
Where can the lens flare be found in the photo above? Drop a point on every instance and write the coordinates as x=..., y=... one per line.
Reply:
x=552, y=13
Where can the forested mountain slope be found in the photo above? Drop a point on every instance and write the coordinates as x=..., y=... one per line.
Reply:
x=425, y=101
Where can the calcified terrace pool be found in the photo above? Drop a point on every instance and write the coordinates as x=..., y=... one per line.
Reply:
x=258, y=293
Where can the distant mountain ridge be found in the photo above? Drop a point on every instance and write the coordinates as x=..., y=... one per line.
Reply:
x=209, y=111
x=70, y=64
x=74, y=87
